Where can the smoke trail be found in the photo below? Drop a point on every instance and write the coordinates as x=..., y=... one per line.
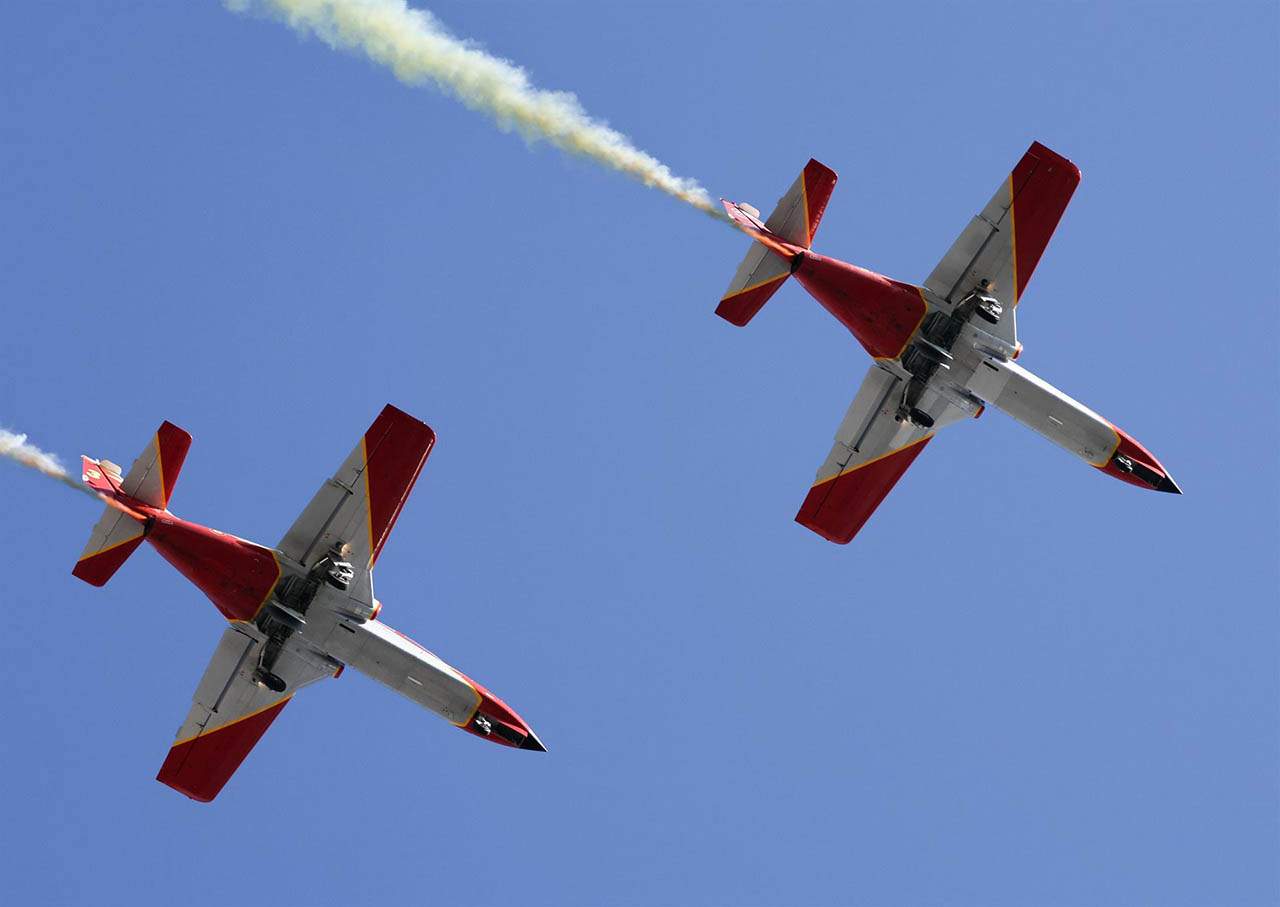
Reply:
x=418, y=49
x=16, y=448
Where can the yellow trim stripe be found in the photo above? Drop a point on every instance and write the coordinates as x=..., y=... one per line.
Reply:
x=804, y=199
x=164, y=496
x=368, y=511
x=845, y=472
x=271, y=590
x=756, y=286
x=223, y=727
x=102, y=551
x=474, y=709
x=1111, y=453
x=906, y=343
x=1013, y=244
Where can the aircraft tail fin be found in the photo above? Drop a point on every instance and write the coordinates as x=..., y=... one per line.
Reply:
x=121, y=528
x=788, y=232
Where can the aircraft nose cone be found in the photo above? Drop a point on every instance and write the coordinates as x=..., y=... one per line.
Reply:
x=1131, y=462
x=533, y=743
x=497, y=722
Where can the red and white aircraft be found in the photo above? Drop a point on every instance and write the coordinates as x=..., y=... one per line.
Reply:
x=298, y=613
x=942, y=351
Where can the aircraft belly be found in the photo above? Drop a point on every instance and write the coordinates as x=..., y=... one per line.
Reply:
x=235, y=574
x=396, y=661
x=1040, y=406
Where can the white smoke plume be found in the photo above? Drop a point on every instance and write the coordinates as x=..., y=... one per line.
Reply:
x=16, y=448
x=415, y=46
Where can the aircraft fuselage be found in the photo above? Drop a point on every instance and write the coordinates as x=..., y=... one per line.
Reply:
x=912, y=332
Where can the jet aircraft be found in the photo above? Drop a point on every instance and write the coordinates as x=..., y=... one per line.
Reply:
x=298, y=613
x=943, y=351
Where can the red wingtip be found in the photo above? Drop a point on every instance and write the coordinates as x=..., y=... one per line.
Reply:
x=1044, y=152
x=839, y=507
x=396, y=448
x=201, y=766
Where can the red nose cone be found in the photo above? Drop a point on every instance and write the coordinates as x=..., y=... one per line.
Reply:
x=494, y=720
x=1133, y=463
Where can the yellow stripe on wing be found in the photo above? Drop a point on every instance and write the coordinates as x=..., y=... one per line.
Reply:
x=368, y=509
x=204, y=731
x=1013, y=243
x=846, y=471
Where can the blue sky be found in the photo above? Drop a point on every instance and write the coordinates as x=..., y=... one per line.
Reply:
x=1022, y=683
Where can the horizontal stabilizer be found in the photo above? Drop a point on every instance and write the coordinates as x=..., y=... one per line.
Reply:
x=760, y=275
x=121, y=537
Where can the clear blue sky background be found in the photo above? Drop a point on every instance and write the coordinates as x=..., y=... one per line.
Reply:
x=1024, y=683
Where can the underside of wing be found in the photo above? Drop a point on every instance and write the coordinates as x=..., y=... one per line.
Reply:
x=1003, y=244
x=358, y=507
x=230, y=712
x=871, y=452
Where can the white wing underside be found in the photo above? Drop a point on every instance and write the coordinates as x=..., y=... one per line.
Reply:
x=227, y=690
x=870, y=429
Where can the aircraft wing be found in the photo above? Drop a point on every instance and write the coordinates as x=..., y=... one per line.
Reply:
x=360, y=504
x=1003, y=244
x=230, y=712
x=871, y=453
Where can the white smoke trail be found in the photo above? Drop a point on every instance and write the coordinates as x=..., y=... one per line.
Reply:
x=16, y=448
x=418, y=48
